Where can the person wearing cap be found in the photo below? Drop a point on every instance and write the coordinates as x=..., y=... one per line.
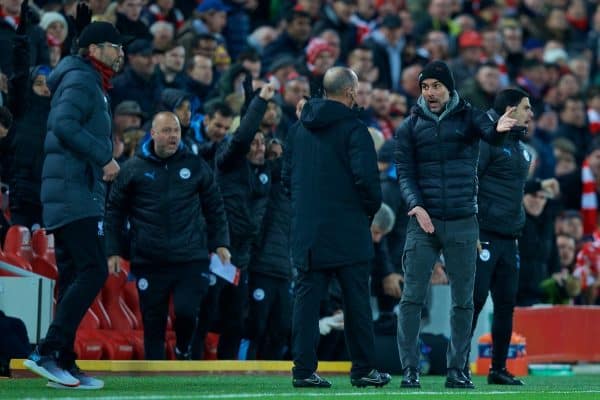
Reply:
x=332, y=211
x=502, y=173
x=77, y=167
x=470, y=53
x=128, y=114
x=139, y=81
x=436, y=162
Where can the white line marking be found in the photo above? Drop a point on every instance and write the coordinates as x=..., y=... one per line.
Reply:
x=315, y=393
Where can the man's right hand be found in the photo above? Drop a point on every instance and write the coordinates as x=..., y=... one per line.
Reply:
x=391, y=285
x=267, y=91
x=422, y=218
x=111, y=170
x=114, y=265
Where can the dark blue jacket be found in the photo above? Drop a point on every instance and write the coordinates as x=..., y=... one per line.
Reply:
x=130, y=86
x=78, y=144
x=331, y=171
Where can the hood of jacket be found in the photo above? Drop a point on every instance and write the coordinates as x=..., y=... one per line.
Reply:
x=172, y=98
x=318, y=114
x=72, y=64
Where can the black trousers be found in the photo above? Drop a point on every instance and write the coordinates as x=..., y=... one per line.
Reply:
x=82, y=271
x=224, y=310
x=188, y=285
x=269, y=317
x=311, y=287
x=497, y=272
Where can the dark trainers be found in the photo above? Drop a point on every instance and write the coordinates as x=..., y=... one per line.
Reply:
x=410, y=378
x=313, y=381
x=4, y=368
x=457, y=380
x=85, y=382
x=502, y=377
x=47, y=367
x=182, y=356
x=373, y=378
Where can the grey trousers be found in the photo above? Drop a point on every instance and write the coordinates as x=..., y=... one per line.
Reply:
x=457, y=240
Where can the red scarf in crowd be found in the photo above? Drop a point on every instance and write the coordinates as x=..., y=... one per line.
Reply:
x=105, y=72
x=589, y=201
x=13, y=20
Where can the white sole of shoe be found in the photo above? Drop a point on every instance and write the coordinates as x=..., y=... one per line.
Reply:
x=55, y=385
x=43, y=372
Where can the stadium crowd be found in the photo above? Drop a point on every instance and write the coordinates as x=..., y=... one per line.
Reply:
x=204, y=60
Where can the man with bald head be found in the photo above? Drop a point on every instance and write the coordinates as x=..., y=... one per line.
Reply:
x=331, y=172
x=177, y=218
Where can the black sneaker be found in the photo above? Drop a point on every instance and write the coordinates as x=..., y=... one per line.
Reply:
x=313, y=381
x=182, y=356
x=410, y=378
x=373, y=378
x=503, y=377
x=455, y=379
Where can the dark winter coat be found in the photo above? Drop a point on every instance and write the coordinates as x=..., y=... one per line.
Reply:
x=173, y=206
x=331, y=171
x=244, y=186
x=436, y=158
x=78, y=144
x=502, y=173
x=38, y=47
x=272, y=253
x=392, y=196
x=131, y=86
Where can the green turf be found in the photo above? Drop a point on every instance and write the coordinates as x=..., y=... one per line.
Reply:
x=279, y=387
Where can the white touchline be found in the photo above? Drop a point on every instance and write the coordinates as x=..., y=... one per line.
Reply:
x=307, y=394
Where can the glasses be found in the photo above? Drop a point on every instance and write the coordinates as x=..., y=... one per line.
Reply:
x=114, y=46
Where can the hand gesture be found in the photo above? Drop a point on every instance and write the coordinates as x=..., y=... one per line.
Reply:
x=224, y=255
x=23, y=16
x=551, y=186
x=505, y=123
x=391, y=285
x=422, y=218
x=111, y=170
x=267, y=92
x=114, y=265
x=83, y=17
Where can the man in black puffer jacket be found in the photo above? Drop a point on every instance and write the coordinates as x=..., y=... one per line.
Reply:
x=244, y=180
x=176, y=214
x=77, y=167
x=331, y=172
x=502, y=172
x=436, y=161
x=270, y=272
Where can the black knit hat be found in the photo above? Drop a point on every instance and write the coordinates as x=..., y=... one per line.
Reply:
x=440, y=71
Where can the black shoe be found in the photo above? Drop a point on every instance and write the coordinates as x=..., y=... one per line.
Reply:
x=182, y=356
x=373, y=378
x=410, y=378
x=4, y=368
x=313, y=381
x=502, y=377
x=467, y=372
x=457, y=380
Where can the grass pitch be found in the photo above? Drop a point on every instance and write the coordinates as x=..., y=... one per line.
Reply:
x=262, y=386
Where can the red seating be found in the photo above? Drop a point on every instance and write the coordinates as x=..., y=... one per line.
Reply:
x=4, y=272
x=17, y=247
x=44, y=259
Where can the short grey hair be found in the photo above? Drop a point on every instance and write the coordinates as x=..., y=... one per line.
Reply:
x=384, y=218
x=337, y=79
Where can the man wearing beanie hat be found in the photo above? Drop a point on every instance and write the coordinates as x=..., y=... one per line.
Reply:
x=78, y=164
x=436, y=162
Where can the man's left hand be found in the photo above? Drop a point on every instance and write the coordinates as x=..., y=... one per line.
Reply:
x=506, y=123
